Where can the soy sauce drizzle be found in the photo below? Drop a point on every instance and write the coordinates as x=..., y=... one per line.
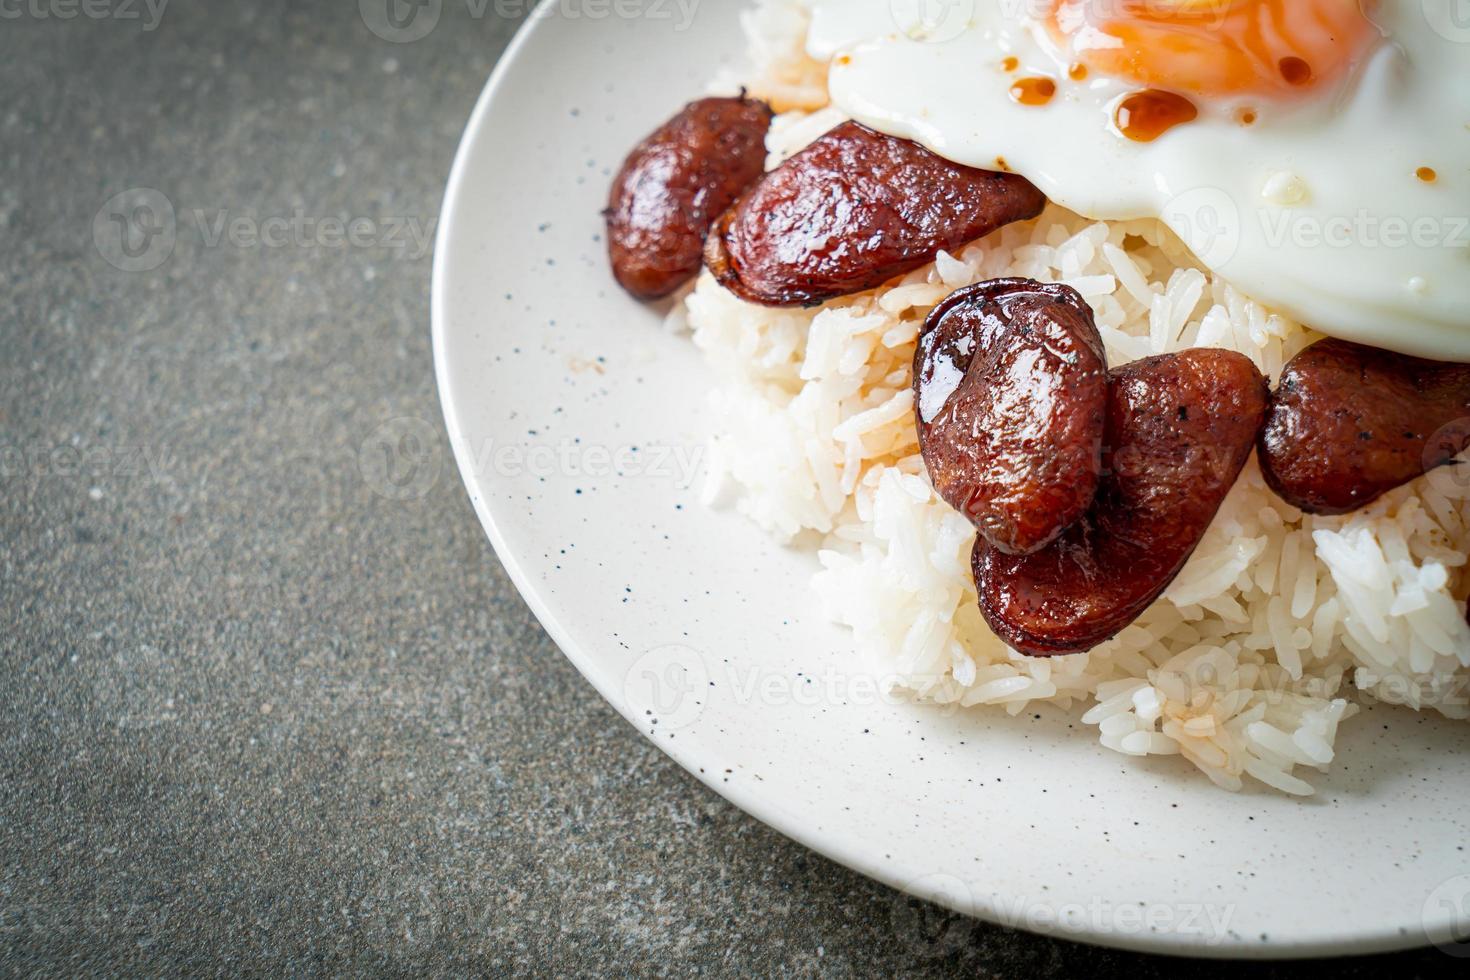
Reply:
x=1145, y=116
x=1296, y=71
x=1034, y=91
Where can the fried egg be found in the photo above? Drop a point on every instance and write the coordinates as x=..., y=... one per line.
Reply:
x=1314, y=153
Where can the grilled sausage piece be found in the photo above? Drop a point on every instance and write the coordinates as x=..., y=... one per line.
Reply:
x=1180, y=427
x=1349, y=423
x=1011, y=393
x=675, y=184
x=850, y=212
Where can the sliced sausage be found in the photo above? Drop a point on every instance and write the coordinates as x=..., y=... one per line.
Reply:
x=675, y=184
x=1349, y=423
x=1180, y=427
x=850, y=212
x=1011, y=393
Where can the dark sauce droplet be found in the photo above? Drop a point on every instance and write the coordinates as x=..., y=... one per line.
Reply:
x=1077, y=72
x=1145, y=116
x=1034, y=91
x=1246, y=117
x=1011, y=63
x=1427, y=174
x=1295, y=71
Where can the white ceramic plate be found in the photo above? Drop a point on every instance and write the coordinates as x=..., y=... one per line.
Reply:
x=573, y=416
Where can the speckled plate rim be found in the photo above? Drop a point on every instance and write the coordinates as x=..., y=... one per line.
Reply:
x=1391, y=937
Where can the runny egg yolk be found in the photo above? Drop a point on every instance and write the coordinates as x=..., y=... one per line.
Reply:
x=1217, y=48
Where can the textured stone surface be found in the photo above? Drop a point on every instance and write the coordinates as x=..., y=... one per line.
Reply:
x=255, y=716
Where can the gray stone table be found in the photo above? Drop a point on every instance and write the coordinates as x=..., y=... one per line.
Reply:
x=254, y=716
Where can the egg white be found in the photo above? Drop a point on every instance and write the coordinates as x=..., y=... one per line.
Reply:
x=1316, y=209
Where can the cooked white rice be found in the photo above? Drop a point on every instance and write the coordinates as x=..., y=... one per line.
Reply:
x=1257, y=650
